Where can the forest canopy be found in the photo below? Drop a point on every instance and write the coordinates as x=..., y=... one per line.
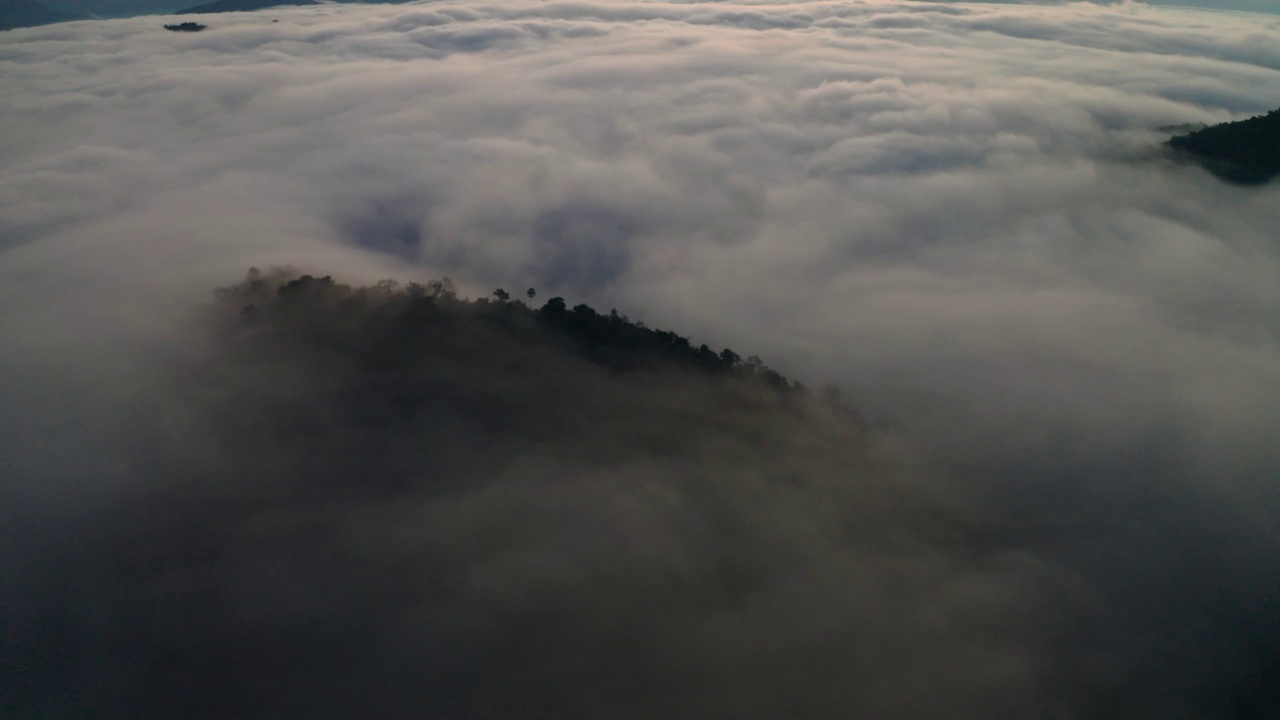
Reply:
x=1245, y=152
x=405, y=314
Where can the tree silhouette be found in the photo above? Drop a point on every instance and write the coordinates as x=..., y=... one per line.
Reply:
x=401, y=315
x=554, y=308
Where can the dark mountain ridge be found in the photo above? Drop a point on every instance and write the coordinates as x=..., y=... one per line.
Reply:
x=1246, y=152
x=608, y=339
x=28, y=13
x=221, y=6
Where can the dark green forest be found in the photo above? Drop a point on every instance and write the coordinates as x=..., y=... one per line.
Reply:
x=404, y=314
x=1245, y=152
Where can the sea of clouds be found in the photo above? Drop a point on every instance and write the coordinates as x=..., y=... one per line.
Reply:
x=959, y=214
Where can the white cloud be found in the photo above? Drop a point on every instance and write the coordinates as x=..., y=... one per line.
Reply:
x=861, y=190
x=834, y=183
x=958, y=212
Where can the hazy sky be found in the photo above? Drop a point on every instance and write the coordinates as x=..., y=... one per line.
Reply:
x=960, y=214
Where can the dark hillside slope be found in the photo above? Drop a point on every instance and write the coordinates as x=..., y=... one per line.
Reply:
x=1246, y=152
x=221, y=6
x=390, y=502
x=27, y=13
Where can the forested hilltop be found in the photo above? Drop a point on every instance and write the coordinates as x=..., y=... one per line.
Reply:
x=391, y=502
x=402, y=315
x=1245, y=152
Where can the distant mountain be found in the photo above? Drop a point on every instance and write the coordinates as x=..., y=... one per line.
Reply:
x=27, y=13
x=220, y=6
x=1245, y=152
x=114, y=8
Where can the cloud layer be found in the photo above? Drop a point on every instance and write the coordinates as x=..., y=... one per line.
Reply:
x=958, y=213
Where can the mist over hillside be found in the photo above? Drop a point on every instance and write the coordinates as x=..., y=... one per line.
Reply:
x=1048, y=488
x=391, y=501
